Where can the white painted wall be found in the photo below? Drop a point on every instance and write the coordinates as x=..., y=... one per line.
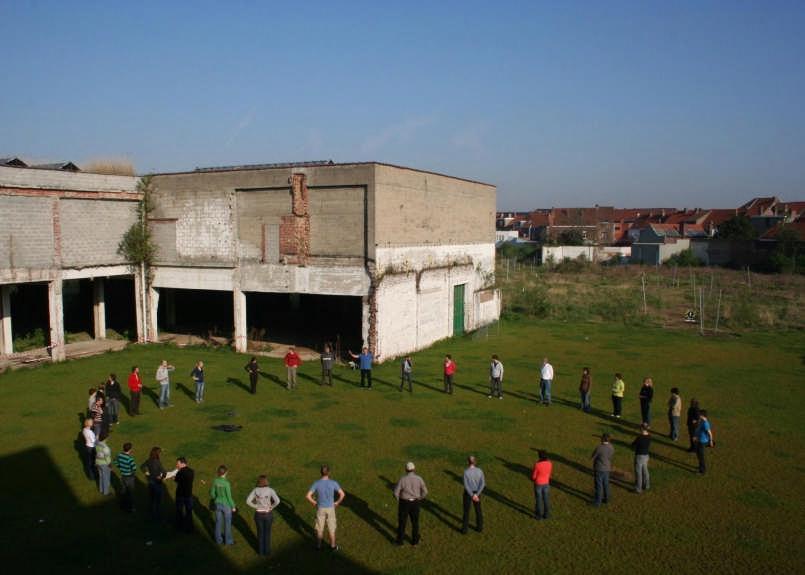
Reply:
x=58, y=180
x=592, y=253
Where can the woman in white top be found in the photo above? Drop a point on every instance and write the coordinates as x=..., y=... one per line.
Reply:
x=89, y=449
x=263, y=500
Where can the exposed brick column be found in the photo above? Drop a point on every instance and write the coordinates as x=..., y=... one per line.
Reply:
x=295, y=228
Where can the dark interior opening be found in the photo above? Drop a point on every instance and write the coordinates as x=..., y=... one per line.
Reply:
x=77, y=306
x=29, y=315
x=204, y=313
x=306, y=320
x=121, y=306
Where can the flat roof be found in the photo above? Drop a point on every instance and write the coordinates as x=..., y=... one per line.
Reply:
x=311, y=164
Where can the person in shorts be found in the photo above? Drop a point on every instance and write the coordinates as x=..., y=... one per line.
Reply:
x=325, y=490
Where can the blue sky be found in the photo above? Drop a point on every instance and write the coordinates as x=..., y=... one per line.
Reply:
x=557, y=103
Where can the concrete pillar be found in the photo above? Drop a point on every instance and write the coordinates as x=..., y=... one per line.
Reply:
x=99, y=308
x=365, y=315
x=6, y=341
x=138, y=308
x=239, y=312
x=56, y=317
x=153, y=306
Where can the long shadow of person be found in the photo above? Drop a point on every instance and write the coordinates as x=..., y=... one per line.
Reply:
x=186, y=391
x=203, y=511
x=588, y=470
x=272, y=378
x=655, y=437
x=287, y=511
x=307, y=377
x=484, y=390
x=351, y=382
x=653, y=455
x=376, y=521
x=241, y=525
x=78, y=445
x=151, y=394
x=494, y=495
x=421, y=383
x=595, y=412
x=236, y=382
x=433, y=508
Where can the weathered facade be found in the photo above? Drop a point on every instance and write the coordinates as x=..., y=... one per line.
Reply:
x=406, y=256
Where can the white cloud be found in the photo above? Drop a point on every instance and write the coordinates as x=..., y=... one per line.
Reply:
x=396, y=133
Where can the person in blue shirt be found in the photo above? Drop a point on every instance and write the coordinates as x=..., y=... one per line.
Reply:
x=325, y=490
x=703, y=437
x=365, y=360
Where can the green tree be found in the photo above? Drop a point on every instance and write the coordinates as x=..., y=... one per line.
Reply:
x=137, y=245
x=571, y=237
x=738, y=227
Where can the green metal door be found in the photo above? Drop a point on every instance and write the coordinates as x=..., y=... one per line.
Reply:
x=458, y=309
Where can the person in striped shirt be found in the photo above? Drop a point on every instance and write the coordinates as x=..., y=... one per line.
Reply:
x=128, y=467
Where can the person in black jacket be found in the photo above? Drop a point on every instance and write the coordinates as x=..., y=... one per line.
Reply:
x=641, y=444
x=113, y=396
x=156, y=475
x=254, y=373
x=646, y=395
x=693, y=421
x=184, y=495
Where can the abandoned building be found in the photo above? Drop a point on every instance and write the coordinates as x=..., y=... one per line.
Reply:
x=360, y=253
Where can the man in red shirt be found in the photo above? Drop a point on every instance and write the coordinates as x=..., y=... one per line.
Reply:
x=136, y=388
x=449, y=370
x=292, y=361
x=541, y=476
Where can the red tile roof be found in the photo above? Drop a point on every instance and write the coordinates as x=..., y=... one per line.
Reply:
x=798, y=227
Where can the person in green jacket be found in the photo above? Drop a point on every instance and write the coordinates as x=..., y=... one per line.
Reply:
x=618, y=388
x=221, y=495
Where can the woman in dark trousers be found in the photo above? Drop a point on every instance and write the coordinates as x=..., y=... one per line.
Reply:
x=263, y=500
x=646, y=395
x=113, y=397
x=254, y=373
x=693, y=421
x=156, y=474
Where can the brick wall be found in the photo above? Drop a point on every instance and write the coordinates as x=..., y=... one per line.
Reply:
x=295, y=229
x=26, y=232
x=91, y=230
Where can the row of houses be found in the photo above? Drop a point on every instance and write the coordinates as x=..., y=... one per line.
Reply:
x=653, y=234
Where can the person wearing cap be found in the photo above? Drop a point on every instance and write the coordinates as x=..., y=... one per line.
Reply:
x=409, y=491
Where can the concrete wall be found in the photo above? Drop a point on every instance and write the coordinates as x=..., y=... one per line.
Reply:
x=592, y=253
x=653, y=254
x=419, y=208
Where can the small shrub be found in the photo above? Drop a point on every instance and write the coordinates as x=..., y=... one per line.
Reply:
x=33, y=340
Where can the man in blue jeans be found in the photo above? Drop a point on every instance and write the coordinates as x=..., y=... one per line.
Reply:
x=163, y=378
x=198, y=376
x=365, y=360
x=602, y=465
x=545, y=381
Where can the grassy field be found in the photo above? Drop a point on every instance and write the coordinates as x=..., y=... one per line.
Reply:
x=744, y=516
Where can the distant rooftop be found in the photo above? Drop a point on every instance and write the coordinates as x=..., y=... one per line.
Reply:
x=311, y=164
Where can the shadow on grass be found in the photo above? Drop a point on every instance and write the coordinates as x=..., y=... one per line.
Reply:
x=613, y=479
x=186, y=391
x=447, y=518
x=273, y=378
x=494, y=495
x=655, y=437
x=473, y=389
x=376, y=521
x=238, y=383
x=653, y=455
x=419, y=382
x=596, y=412
x=152, y=395
x=345, y=380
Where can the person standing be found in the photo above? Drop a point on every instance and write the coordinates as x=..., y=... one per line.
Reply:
x=254, y=372
x=163, y=379
x=495, y=378
x=545, y=382
x=541, y=476
x=325, y=490
x=127, y=467
x=585, y=390
x=474, y=483
x=292, y=363
x=221, y=495
x=646, y=395
x=96, y=413
x=703, y=437
x=327, y=359
x=155, y=474
x=93, y=395
x=113, y=397
x=674, y=413
x=89, y=438
x=641, y=444
x=136, y=389
x=103, y=459
x=449, y=372
x=198, y=377
x=692, y=421
x=410, y=491
x=365, y=360
x=184, y=495
x=263, y=500
x=618, y=389
x=602, y=465
x=406, y=369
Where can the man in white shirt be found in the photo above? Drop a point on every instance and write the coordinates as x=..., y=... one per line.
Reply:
x=545, y=381
x=163, y=377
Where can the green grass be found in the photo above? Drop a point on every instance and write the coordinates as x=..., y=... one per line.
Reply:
x=745, y=516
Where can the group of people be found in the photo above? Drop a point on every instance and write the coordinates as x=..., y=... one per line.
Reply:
x=326, y=494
